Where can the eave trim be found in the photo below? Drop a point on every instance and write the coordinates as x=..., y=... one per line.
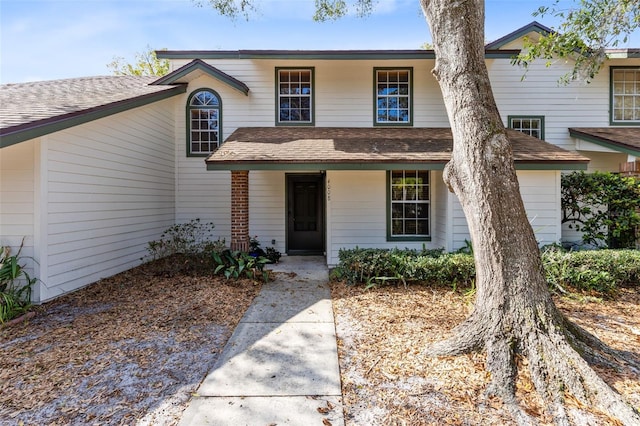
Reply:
x=199, y=65
x=436, y=165
x=318, y=54
x=605, y=142
x=534, y=26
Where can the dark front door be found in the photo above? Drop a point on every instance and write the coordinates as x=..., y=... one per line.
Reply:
x=305, y=214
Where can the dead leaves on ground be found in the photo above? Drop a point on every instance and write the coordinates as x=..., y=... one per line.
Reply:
x=386, y=380
x=106, y=353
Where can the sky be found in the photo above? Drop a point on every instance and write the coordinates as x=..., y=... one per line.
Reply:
x=53, y=39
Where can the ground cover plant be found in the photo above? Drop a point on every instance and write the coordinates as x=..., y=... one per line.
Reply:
x=15, y=285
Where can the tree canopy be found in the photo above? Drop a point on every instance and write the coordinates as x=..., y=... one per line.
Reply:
x=147, y=64
x=585, y=33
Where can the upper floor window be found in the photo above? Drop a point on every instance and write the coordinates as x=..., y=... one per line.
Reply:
x=294, y=96
x=625, y=95
x=409, y=204
x=527, y=124
x=204, y=116
x=393, y=94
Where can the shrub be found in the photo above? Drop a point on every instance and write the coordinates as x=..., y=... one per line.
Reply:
x=600, y=271
x=256, y=251
x=15, y=285
x=376, y=266
x=603, y=206
x=189, y=238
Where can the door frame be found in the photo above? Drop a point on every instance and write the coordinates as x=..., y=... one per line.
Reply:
x=321, y=178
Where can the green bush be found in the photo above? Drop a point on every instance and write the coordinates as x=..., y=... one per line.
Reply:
x=603, y=206
x=15, y=285
x=376, y=266
x=599, y=271
x=238, y=264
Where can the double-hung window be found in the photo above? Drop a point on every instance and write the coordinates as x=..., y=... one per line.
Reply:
x=409, y=204
x=204, y=116
x=532, y=125
x=393, y=96
x=625, y=95
x=294, y=97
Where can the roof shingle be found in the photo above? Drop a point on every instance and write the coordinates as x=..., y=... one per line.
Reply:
x=312, y=145
x=625, y=138
x=25, y=106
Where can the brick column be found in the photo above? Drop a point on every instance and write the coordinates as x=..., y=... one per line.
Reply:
x=240, y=210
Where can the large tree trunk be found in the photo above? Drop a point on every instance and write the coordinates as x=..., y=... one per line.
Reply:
x=514, y=313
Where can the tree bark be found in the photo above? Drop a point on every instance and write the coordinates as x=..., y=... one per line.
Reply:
x=514, y=313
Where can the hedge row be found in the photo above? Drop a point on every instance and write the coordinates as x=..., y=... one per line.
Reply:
x=598, y=270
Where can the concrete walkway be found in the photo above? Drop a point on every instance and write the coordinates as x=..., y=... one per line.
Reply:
x=280, y=366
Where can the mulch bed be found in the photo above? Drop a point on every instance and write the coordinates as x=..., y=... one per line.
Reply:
x=125, y=350
x=386, y=381
x=133, y=348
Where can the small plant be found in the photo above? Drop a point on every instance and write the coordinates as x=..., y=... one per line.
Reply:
x=256, y=251
x=238, y=264
x=273, y=255
x=188, y=238
x=15, y=285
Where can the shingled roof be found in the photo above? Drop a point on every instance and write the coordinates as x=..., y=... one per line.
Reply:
x=623, y=139
x=29, y=110
x=325, y=148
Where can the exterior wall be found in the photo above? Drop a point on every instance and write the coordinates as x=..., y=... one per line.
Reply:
x=604, y=161
x=267, y=214
x=357, y=213
x=574, y=105
x=18, y=198
x=541, y=195
x=441, y=223
x=200, y=193
x=110, y=190
x=343, y=92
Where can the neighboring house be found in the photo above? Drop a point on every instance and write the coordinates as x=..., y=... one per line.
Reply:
x=310, y=151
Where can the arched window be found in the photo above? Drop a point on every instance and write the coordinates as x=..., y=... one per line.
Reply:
x=204, y=116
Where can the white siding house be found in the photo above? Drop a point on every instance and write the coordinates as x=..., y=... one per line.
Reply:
x=327, y=149
x=88, y=198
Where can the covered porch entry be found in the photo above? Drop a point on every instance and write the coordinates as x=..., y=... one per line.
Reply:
x=320, y=190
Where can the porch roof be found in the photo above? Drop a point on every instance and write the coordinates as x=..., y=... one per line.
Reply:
x=622, y=139
x=338, y=148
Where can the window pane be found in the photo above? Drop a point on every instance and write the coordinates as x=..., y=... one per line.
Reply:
x=204, y=122
x=410, y=227
x=392, y=96
x=625, y=94
x=396, y=210
x=297, y=89
x=409, y=202
x=410, y=210
x=422, y=227
x=396, y=227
